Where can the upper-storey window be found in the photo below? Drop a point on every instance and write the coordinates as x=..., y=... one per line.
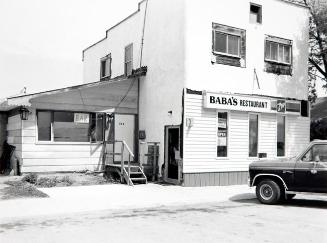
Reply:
x=228, y=45
x=128, y=60
x=255, y=13
x=278, y=52
x=278, y=55
x=105, y=67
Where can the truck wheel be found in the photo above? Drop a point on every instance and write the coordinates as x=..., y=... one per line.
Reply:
x=268, y=192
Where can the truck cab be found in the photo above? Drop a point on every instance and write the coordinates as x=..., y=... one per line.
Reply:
x=283, y=179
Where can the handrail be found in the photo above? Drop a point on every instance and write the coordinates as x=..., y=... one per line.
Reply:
x=125, y=145
x=122, y=166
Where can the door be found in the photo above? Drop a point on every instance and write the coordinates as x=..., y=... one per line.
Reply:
x=124, y=130
x=172, y=153
x=311, y=170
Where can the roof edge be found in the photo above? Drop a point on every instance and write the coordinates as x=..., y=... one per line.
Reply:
x=114, y=26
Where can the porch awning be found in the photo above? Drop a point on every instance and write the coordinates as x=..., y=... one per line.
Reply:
x=119, y=95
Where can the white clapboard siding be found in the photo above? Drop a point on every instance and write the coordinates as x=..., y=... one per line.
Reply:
x=28, y=169
x=200, y=142
x=62, y=161
x=14, y=134
x=297, y=134
x=49, y=156
x=268, y=135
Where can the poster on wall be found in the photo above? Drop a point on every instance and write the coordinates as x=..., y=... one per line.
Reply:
x=83, y=118
x=222, y=123
x=222, y=138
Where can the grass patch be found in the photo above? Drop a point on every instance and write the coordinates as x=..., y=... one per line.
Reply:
x=20, y=189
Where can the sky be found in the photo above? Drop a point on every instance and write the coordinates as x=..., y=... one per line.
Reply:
x=41, y=41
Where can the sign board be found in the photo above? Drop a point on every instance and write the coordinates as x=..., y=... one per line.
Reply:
x=222, y=138
x=81, y=118
x=222, y=123
x=236, y=102
x=281, y=106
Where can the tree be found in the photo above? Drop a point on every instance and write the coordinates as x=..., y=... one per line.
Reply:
x=318, y=44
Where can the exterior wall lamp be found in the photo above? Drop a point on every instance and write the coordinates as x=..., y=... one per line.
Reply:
x=24, y=113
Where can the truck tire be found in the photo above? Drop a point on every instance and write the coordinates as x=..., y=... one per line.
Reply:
x=268, y=192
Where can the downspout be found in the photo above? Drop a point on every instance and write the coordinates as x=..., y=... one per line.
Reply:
x=138, y=81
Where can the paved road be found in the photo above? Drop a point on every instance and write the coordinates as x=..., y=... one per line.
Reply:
x=241, y=219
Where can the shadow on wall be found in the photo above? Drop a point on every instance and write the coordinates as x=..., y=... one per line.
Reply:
x=297, y=85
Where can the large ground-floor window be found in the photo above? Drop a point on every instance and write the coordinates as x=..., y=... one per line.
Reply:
x=281, y=136
x=66, y=126
x=253, y=135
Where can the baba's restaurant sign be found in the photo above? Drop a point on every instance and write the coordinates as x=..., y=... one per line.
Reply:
x=236, y=102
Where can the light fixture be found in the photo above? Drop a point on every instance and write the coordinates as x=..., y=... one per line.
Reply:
x=24, y=113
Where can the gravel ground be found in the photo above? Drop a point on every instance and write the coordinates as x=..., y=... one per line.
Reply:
x=237, y=220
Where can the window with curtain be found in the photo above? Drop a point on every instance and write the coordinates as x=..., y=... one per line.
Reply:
x=278, y=52
x=253, y=135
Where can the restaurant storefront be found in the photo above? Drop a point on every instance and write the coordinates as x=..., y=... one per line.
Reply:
x=225, y=132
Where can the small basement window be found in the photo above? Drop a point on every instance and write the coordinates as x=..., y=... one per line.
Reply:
x=255, y=13
x=105, y=67
x=65, y=126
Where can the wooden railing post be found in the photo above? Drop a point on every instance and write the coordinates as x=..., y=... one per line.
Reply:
x=122, y=163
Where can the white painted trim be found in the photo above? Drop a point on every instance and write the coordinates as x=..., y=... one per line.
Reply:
x=276, y=140
x=248, y=140
x=228, y=134
x=258, y=175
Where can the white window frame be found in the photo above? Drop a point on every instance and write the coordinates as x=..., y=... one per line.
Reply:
x=278, y=46
x=258, y=15
x=228, y=134
x=105, y=59
x=225, y=53
x=248, y=139
x=51, y=141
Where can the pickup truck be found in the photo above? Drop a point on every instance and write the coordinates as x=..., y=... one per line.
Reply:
x=282, y=179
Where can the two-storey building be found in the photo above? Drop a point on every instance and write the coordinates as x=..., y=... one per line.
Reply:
x=225, y=83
